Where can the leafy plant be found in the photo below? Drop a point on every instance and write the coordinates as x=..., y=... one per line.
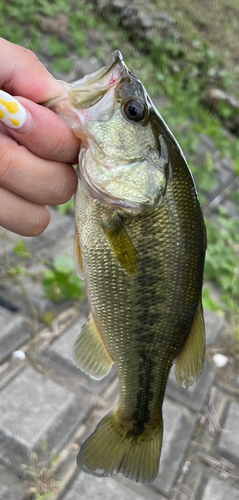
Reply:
x=56, y=47
x=63, y=65
x=41, y=476
x=222, y=260
x=67, y=207
x=209, y=302
x=21, y=249
x=61, y=282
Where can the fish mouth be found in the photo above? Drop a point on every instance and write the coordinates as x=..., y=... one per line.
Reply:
x=91, y=97
x=88, y=91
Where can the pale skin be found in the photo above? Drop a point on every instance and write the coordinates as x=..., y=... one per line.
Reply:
x=36, y=159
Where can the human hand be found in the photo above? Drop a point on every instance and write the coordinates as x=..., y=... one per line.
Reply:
x=35, y=158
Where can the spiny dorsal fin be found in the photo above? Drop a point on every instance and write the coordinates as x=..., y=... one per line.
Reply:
x=190, y=361
x=78, y=256
x=90, y=354
x=121, y=245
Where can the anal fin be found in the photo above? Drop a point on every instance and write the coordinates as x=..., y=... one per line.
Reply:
x=190, y=361
x=90, y=353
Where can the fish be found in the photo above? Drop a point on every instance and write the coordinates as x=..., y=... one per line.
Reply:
x=140, y=247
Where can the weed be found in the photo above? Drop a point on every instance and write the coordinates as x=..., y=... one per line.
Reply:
x=60, y=282
x=209, y=302
x=67, y=207
x=21, y=249
x=41, y=476
x=222, y=261
x=62, y=64
x=56, y=47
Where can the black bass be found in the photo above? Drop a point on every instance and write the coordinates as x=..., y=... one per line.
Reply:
x=140, y=247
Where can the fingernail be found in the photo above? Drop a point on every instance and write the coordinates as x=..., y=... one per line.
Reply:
x=12, y=112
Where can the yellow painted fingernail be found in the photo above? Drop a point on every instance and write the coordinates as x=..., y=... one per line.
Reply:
x=12, y=112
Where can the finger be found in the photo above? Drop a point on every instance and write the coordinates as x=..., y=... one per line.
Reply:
x=25, y=75
x=41, y=181
x=22, y=216
x=40, y=130
x=4, y=130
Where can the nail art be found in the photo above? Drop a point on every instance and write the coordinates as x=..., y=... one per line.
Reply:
x=12, y=112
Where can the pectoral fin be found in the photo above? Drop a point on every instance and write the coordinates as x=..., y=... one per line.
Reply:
x=190, y=361
x=121, y=245
x=78, y=256
x=90, y=353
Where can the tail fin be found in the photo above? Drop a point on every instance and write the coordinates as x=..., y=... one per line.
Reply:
x=113, y=448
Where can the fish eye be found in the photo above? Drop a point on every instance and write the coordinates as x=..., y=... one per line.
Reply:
x=134, y=110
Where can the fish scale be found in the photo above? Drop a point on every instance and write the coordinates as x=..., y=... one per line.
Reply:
x=109, y=305
x=140, y=246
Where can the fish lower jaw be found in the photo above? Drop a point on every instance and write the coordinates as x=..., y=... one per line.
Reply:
x=130, y=208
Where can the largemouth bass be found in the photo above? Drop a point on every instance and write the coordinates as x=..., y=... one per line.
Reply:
x=140, y=246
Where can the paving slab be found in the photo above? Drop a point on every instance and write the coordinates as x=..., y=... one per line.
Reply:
x=226, y=171
x=87, y=487
x=32, y=281
x=214, y=325
x=33, y=284
x=194, y=396
x=191, y=481
x=147, y=491
x=7, y=242
x=14, y=332
x=62, y=348
x=217, y=489
x=232, y=208
x=11, y=488
x=58, y=356
x=60, y=228
x=35, y=409
x=179, y=424
x=228, y=442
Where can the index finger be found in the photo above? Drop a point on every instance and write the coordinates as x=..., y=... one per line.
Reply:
x=23, y=74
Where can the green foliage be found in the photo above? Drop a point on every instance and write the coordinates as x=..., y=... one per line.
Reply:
x=46, y=496
x=19, y=23
x=21, y=249
x=209, y=302
x=237, y=166
x=61, y=282
x=41, y=475
x=63, y=65
x=67, y=208
x=205, y=174
x=16, y=270
x=56, y=47
x=222, y=259
x=235, y=195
